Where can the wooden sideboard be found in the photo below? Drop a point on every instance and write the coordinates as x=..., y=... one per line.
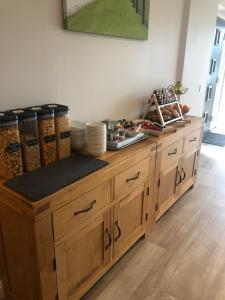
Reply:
x=58, y=247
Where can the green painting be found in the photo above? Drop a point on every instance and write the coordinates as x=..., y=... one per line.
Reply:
x=121, y=18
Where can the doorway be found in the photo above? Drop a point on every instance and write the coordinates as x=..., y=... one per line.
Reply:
x=214, y=108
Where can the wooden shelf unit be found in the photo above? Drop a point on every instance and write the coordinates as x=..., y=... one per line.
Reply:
x=154, y=105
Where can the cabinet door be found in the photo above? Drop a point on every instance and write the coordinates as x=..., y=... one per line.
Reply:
x=81, y=257
x=169, y=180
x=128, y=220
x=187, y=171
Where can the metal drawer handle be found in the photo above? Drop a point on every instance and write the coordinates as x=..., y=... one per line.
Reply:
x=110, y=239
x=173, y=153
x=180, y=178
x=184, y=174
x=119, y=230
x=135, y=177
x=90, y=207
x=193, y=140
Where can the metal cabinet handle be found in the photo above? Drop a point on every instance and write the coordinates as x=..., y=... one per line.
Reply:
x=119, y=231
x=193, y=140
x=173, y=153
x=135, y=177
x=110, y=239
x=184, y=175
x=90, y=207
x=180, y=178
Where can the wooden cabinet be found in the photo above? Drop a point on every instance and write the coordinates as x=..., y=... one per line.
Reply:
x=192, y=140
x=178, y=164
x=168, y=183
x=80, y=209
x=68, y=240
x=132, y=178
x=129, y=216
x=171, y=153
x=187, y=170
x=85, y=249
x=82, y=256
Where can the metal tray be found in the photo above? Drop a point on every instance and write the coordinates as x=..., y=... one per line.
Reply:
x=111, y=145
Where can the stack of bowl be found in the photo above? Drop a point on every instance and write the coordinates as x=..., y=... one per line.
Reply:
x=78, y=135
x=96, y=138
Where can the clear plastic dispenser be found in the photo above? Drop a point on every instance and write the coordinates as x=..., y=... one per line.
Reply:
x=46, y=133
x=11, y=164
x=28, y=130
x=62, y=128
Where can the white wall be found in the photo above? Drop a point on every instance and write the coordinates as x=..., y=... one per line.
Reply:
x=98, y=77
x=200, y=35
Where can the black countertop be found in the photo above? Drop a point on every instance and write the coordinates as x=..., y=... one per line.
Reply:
x=45, y=181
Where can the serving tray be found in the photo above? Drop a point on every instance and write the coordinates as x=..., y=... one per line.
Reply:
x=114, y=145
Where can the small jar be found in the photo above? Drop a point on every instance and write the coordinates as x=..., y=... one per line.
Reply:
x=122, y=136
x=46, y=134
x=28, y=131
x=11, y=164
x=62, y=129
x=114, y=136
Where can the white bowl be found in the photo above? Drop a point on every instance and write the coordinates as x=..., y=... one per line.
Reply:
x=100, y=128
x=97, y=137
x=100, y=145
x=94, y=133
x=97, y=128
x=96, y=125
x=78, y=137
x=78, y=145
x=96, y=146
x=96, y=152
x=77, y=131
x=77, y=124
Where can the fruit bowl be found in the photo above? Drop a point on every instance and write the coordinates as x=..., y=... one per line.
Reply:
x=153, y=129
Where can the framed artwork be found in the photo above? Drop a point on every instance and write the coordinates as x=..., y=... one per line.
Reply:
x=121, y=18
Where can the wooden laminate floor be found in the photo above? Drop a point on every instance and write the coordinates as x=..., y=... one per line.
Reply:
x=184, y=257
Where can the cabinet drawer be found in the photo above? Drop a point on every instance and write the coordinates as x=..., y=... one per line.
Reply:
x=172, y=152
x=80, y=209
x=130, y=179
x=192, y=140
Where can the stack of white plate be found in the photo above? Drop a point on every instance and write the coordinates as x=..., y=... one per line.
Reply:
x=96, y=138
x=78, y=135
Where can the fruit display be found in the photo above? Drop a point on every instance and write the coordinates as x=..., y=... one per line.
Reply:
x=185, y=109
x=150, y=125
x=169, y=112
x=153, y=128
